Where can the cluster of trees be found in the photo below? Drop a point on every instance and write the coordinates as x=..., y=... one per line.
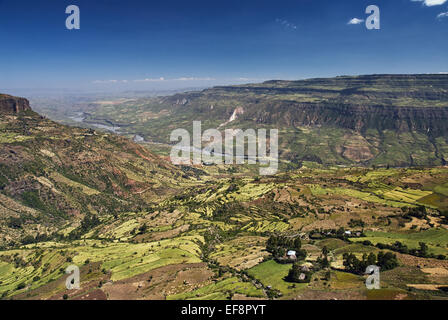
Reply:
x=444, y=216
x=331, y=233
x=417, y=212
x=386, y=261
x=89, y=222
x=142, y=229
x=323, y=261
x=226, y=211
x=38, y=238
x=37, y=201
x=353, y=223
x=279, y=245
x=443, y=213
x=303, y=274
x=298, y=274
x=15, y=223
x=421, y=251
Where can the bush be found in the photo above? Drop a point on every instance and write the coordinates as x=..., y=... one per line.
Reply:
x=21, y=285
x=386, y=261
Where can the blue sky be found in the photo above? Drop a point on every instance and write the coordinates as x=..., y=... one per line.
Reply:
x=148, y=44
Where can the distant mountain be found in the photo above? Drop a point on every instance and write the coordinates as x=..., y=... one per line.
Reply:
x=396, y=120
x=53, y=176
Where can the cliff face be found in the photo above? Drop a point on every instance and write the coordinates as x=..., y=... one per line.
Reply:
x=10, y=104
x=403, y=103
x=396, y=120
x=359, y=118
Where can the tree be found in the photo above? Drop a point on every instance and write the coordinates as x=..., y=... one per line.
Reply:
x=387, y=261
x=279, y=245
x=297, y=244
x=21, y=286
x=352, y=263
x=371, y=259
x=298, y=274
x=423, y=251
x=323, y=261
x=142, y=229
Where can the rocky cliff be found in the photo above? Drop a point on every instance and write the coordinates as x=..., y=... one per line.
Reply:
x=429, y=120
x=396, y=120
x=10, y=104
x=402, y=103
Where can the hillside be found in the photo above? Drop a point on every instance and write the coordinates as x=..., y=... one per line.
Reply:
x=396, y=120
x=52, y=176
x=140, y=228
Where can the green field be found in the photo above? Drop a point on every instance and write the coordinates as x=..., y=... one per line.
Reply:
x=220, y=291
x=436, y=239
x=271, y=273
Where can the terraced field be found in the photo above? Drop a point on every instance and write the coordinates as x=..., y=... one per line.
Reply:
x=139, y=227
x=226, y=225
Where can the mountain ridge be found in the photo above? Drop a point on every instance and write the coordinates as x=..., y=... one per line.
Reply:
x=396, y=120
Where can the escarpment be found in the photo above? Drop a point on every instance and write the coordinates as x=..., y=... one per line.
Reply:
x=402, y=103
x=10, y=104
x=431, y=120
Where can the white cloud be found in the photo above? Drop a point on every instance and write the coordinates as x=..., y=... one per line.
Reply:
x=442, y=15
x=286, y=24
x=430, y=3
x=110, y=81
x=193, y=79
x=355, y=21
x=150, y=80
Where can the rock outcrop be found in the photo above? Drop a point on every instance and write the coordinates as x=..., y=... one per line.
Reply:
x=429, y=120
x=11, y=104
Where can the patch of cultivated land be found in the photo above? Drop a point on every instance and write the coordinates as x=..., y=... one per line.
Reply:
x=209, y=241
x=140, y=228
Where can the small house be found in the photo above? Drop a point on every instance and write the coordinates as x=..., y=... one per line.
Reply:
x=291, y=254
